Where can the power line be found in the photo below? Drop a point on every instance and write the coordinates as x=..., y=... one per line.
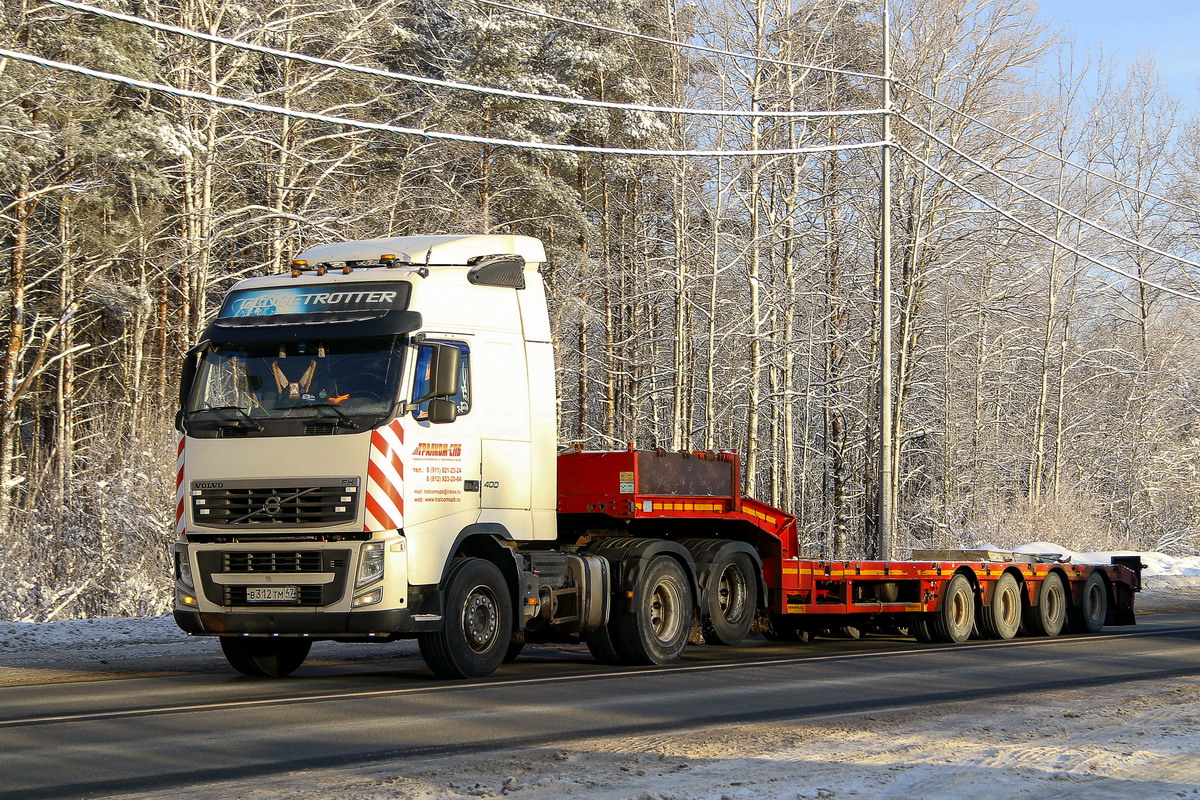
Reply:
x=672, y=42
x=1097, y=226
x=1048, y=153
x=458, y=85
x=427, y=134
x=1046, y=236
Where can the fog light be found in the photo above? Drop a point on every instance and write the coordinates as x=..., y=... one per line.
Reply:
x=187, y=600
x=369, y=599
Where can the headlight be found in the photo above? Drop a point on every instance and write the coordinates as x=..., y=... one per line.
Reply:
x=183, y=567
x=370, y=564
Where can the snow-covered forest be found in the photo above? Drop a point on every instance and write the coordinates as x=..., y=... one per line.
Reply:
x=697, y=302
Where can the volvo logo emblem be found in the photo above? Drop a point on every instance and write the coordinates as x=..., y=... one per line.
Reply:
x=272, y=505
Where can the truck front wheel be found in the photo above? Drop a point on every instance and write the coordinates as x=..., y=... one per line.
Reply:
x=478, y=624
x=265, y=658
x=657, y=628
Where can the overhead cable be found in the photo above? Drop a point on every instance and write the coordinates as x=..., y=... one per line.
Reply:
x=469, y=87
x=420, y=132
x=1048, y=153
x=1046, y=236
x=673, y=43
x=1029, y=193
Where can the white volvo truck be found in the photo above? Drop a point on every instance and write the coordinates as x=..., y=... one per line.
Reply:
x=368, y=452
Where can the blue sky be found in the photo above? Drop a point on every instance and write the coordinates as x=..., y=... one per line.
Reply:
x=1170, y=29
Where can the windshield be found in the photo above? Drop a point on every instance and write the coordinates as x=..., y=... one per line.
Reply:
x=280, y=389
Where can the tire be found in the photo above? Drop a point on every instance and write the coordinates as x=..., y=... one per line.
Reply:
x=918, y=626
x=846, y=632
x=785, y=628
x=731, y=600
x=478, y=625
x=265, y=658
x=515, y=646
x=1001, y=619
x=601, y=645
x=657, y=628
x=955, y=617
x=1049, y=615
x=1089, y=616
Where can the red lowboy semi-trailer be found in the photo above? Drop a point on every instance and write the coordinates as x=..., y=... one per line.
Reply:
x=943, y=596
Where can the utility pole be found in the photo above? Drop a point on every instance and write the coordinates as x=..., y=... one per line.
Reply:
x=887, y=541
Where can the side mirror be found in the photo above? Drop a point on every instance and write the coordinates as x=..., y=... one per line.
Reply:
x=441, y=411
x=191, y=360
x=445, y=371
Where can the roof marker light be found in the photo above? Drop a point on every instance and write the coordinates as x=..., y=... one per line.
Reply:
x=298, y=266
x=321, y=269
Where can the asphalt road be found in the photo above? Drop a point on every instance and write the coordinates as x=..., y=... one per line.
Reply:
x=94, y=737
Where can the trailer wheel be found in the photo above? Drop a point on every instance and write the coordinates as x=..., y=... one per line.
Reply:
x=784, y=628
x=1089, y=616
x=918, y=626
x=477, y=628
x=1002, y=619
x=657, y=629
x=732, y=599
x=265, y=658
x=1048, y=616
x=955, y=617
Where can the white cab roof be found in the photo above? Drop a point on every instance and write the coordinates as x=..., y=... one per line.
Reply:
x=419, y=250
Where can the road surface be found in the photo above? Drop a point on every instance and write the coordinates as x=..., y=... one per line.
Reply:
x=88, y=733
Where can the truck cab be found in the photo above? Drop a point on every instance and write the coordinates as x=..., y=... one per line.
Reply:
x=350, y=426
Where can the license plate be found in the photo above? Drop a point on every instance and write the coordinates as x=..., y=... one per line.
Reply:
x=272, y=594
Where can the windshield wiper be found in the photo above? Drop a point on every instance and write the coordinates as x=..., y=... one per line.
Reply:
x=246, y=419
x=343, y=417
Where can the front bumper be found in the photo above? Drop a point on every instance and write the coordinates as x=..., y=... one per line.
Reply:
x=318, y=625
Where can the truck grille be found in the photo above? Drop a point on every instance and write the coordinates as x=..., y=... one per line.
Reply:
x=278, y=563
x=303, y=561
x=242, y=504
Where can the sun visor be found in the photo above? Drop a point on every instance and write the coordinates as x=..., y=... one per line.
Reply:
x=289, y=313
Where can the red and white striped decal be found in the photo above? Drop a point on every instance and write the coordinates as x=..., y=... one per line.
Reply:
x=179, y=491
x=385, y=478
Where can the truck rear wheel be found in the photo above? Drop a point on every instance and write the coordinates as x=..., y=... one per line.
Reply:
x=265, y=658
x=1048, y=616
x=1089, y=616
x=1002, y=618
x=478, y=625
x=658, y=627
x=731, y=600
x=955, y=617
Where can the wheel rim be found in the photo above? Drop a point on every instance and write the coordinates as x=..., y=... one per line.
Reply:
x=1095, y=602
x=731, y=593
x=1054, y=602
x=665, y=608
x=480, y=619
x=960, y=610
x=1010, y=606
